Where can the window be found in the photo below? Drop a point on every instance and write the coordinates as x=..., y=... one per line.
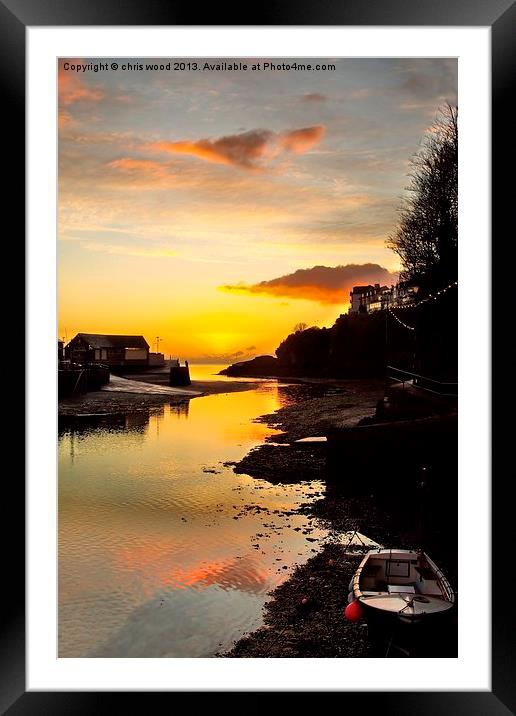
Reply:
x=135, y=354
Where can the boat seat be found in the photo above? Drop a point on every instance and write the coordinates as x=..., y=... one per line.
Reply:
x=430, y=586
x=401, y=589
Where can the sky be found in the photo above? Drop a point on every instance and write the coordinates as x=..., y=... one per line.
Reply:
x=217, y=209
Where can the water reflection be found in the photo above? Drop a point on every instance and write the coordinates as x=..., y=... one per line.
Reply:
x=137, y=421
x=110, y=422
x=163, y=549
x=167, y=625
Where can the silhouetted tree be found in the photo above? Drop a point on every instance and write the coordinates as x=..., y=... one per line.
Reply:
x=353, y=347
x=305, y=351
x=426, y=236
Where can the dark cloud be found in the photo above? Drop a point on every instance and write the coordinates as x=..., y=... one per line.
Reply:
x=240, y=149
x=314, y=97
x=433, y=81
x=247, y=149
x=323, y=284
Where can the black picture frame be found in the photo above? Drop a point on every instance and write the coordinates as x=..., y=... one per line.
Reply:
x=500, y=16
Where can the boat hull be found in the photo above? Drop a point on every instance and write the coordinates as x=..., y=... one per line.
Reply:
x=381, y=616
x=404, y=598
x=432, y=636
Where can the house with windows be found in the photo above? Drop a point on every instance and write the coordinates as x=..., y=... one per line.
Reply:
x=366, y=299
x=404, y=292
x=110, y=350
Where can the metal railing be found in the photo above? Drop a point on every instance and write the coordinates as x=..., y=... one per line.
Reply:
x=423, y=382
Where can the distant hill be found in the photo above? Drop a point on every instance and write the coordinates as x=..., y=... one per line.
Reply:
x=259, y=367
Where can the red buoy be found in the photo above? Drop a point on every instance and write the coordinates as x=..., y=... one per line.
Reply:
x=353, y=612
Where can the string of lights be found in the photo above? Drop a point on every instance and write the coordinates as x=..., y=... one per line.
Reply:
x=430, y=297
x=410, y=328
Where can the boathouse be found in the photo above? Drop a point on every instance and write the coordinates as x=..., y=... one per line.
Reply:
x=111, y=350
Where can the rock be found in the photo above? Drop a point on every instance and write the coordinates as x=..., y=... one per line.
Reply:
x=259, y=367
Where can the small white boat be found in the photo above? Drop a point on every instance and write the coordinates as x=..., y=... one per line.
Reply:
x=355, y=543
x=311, y=440
x=400, y=585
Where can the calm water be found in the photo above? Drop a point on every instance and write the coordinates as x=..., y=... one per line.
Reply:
x=206, y=371
x=159, y=552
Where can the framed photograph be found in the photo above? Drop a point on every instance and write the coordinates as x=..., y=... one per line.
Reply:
x=260, y=459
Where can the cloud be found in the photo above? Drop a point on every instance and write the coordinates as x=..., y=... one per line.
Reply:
x=64, y=119
x=429, y=83
x=239, y=149
x=130, y=164
x=72, y=88
x=322, y=284
x=314, y=97
x=157, y=252
x=300, y=141
x=147, y=167
x=143, y=175
x=248, y=149
x=228, y=357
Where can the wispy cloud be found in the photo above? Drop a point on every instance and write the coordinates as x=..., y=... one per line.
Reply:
x=73, y=88
x=124, y=250
x=64, y=118
x=147, y=169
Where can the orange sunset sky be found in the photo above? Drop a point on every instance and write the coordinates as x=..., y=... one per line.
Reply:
x=219, y=209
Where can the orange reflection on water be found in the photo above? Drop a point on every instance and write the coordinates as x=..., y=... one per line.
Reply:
x=149, y=510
